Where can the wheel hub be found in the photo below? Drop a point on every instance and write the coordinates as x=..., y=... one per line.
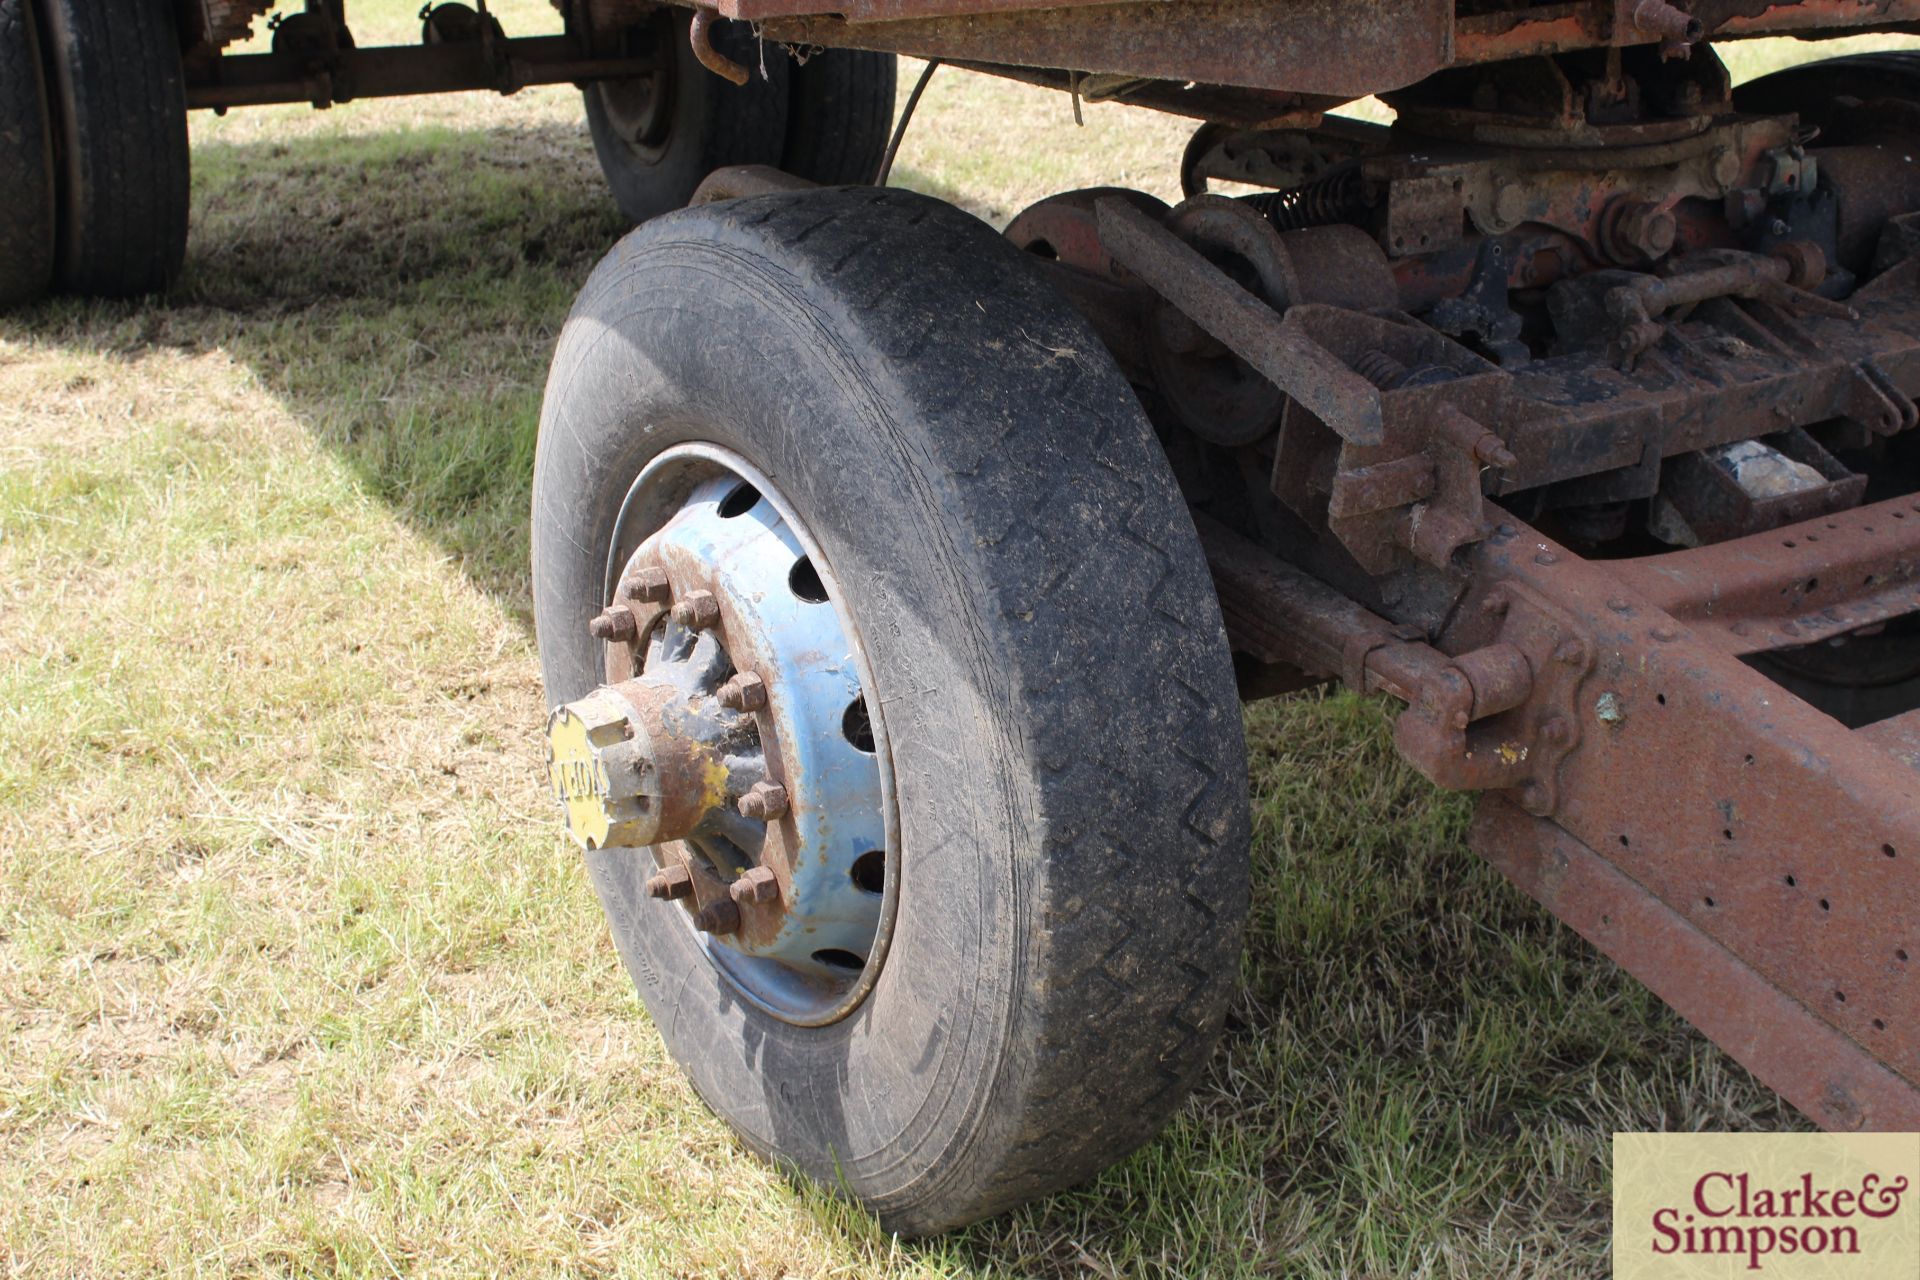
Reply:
x=732, y=744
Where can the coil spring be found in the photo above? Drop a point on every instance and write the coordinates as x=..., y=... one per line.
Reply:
x=1339, y=196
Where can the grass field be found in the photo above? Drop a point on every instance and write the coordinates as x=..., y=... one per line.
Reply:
x=295, y=976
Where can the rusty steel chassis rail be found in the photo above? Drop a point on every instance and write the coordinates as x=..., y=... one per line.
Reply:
x=1262, y=59
x=1750, y=859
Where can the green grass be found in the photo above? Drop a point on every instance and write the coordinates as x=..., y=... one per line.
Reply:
x=295, y=976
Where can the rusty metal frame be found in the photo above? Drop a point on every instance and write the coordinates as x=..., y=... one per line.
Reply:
x=1753, y=860
x=1346, y=48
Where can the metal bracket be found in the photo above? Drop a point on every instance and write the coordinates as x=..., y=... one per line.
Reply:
x=1504, y=716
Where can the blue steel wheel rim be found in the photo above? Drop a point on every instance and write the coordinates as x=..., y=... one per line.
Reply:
x=688, y=513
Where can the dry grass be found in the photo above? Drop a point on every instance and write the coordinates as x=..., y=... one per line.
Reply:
x=295, y=977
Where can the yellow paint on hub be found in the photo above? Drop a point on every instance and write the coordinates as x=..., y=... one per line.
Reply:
x=576, y=733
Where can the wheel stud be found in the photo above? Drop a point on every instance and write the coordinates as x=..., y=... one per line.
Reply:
x=672, y=882
x=744, y=692
x=755, y=887
x=647, y=584
x=722, y=916
x=698, y=611
x=616, y=625
x=765, y=802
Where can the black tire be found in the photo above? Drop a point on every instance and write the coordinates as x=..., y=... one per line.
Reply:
x=1071, y=776
x=1834, y=94
x=657, y=137
x=26, y=158
x=842, y=116
x=120, y=98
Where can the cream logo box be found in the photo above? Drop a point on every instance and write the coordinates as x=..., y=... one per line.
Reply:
x=1785, y=1206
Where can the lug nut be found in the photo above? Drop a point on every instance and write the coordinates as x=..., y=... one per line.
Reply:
x=616, y=625
x=745, y=692
x=647, y=584
x=698, y=611
x=755, y=887
x=672, y=882
x=765, y=802
x=721, y=916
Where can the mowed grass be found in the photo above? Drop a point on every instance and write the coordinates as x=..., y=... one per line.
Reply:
x=296, y=977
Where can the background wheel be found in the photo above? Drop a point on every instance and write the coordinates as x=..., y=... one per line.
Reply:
x=842, y=116
x=121, y=102
x=1854, y=99
x=26, y=158
x=658, y=135
x=1052, y=696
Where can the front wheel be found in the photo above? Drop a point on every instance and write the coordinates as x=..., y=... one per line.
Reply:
x=894, y=713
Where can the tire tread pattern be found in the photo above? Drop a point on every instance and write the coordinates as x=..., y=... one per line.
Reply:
x=26, y=158
x=841, y=117
x=123, y=106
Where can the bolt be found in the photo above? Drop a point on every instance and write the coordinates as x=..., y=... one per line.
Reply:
x=1534, y=799
x=1724, y=168
x=1665, y=635
x=720, y=916
x=755, y=887
x=616, y=625
x=1642, y=232
x=1490, y=450
x=698, y=611
x=1571, y=652
x=647, y=584
x=1619, y=606
x=1546, y=557
x=745, y=692
x=1557, y=731
x=765, y=802
x=1658, y=18
x=672, y=882
x=1497, y=601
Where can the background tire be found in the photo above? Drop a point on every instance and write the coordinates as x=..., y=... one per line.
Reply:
x=1844, y=96
x=842, y=116
x=120, y=98
x=26, y=158
x=1049, y=655
x=657, y=137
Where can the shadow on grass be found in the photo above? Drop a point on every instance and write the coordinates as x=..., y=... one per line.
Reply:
x=1423, y=1069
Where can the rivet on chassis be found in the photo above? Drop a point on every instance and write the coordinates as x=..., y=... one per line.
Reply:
x=1571, y=652
x=744, y=692
x=671, y=883
x=698, y=611
x=758, y=886
x=616, y=625
x=647, y=584
x=721, y=916
x=765, y=802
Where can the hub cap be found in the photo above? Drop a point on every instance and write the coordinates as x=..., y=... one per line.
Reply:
x=733, y=747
